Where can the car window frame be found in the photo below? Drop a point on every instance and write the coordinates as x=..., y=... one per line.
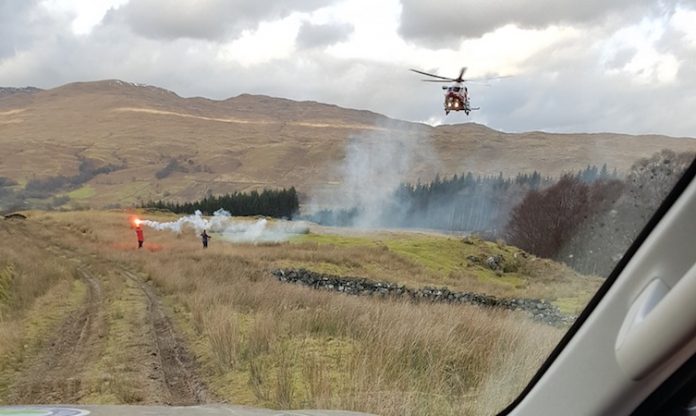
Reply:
x=686, y=178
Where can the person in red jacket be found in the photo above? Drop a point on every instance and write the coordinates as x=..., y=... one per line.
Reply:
x=139, y=233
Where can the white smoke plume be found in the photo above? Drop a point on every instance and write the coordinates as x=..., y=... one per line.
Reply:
x=375, y=165
x=231, y=229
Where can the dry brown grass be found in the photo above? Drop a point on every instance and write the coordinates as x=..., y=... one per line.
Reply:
x=264, y=343
x=27, y=270
x=37, y=289
x=222, y=331
x=22, y=277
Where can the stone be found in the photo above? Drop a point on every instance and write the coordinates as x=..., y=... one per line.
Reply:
x=473, y=259
x=494, y=262
x=539, y=309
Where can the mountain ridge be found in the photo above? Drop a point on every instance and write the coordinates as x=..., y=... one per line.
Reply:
x=254, y=141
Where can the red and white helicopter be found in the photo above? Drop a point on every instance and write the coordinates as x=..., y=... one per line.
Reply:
x=457, y=94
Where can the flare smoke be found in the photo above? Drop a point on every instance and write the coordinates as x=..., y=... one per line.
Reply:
x=375, y=164
x=234, y=230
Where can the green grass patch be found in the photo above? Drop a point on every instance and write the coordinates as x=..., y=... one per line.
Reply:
x=572, y=305
x=443, y=258
x=83, y=192
x=440, y=255
x=514, y=280
x=131, y=191
x=7, y=274
x=334, y=240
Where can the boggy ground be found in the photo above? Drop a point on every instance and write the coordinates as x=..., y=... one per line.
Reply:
x=98, y=334
x=87, y=318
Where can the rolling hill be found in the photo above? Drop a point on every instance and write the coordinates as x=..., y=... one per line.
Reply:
x=128, y=142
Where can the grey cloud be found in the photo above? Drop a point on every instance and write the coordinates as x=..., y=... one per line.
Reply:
x=676, y=42
x=21, y=24
x=572, y=92
x=564, y=88
x=202, y=19
x=567, y=93
x=313, y=36
x=620, y=58
x=439, y=22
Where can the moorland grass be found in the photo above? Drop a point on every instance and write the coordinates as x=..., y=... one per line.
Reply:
x=264, y=343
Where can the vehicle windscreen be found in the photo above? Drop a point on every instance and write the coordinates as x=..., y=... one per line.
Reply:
x=264, y=205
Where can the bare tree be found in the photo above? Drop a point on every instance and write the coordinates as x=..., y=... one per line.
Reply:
x=545, y=219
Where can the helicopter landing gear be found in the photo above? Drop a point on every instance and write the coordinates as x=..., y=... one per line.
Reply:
x=446, y=112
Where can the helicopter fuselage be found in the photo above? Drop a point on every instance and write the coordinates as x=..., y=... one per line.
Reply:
x=456, y=95
x=457, y=99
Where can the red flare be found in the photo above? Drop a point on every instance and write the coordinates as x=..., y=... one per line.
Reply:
x=134, y=221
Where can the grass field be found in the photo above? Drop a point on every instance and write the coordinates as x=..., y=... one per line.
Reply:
x=418, y=259
x=259, y=342
x=83, y=192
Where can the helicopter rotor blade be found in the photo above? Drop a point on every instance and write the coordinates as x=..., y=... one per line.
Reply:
x=461, y=75
x=438, y=80
x=479, y=82
x=488, y=78
x=430, y=75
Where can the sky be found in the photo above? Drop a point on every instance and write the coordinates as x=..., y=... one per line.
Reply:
x=626, y=66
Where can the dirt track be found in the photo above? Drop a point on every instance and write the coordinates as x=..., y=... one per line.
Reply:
x=147, y=357
x=55, y=375
x=176, y=368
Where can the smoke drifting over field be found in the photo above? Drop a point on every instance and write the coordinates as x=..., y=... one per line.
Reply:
x=374, y=167
x=377, y=188
x=231, y=229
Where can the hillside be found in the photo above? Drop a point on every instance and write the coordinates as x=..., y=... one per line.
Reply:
x=98, y=321
x=143, y=142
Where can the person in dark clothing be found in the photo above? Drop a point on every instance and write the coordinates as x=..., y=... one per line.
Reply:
x=139, y=233
x=204, y=239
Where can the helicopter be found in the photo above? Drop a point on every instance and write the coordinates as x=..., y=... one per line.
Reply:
x=456, y=95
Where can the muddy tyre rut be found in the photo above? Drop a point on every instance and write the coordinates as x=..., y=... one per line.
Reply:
x=157, y=363
x=55, y=374
x=176, y=368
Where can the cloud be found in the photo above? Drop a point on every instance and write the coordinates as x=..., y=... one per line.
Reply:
x=683, y=21
x=213, y=20
x=446, y=22
x=637, y=78
x=620, y=58
x=21, y=24
x=571, y=88
x=315, y=36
